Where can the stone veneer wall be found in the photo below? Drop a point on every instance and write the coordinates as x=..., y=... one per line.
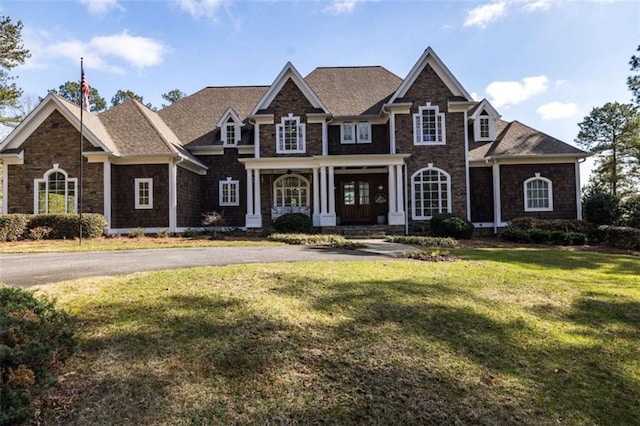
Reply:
x=450, y=157
x=563, y=178
x=56, y=140
x=123, y=211
x=189, y=209
x=290, y=100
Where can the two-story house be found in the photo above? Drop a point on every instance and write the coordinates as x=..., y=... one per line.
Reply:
x=344, y=145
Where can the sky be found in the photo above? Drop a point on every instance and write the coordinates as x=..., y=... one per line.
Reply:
x=545, y=63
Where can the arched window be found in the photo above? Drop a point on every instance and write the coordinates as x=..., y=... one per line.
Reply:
x=290, y=195
x=538, y=194
x=431, y=193
x=55, y=193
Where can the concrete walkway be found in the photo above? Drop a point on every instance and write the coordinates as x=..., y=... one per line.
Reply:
x=25, y=270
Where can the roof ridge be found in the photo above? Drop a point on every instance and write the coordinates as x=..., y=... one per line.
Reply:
x=144, y=113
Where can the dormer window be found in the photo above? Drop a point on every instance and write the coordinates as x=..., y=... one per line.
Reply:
x=230, y=133
x=484, y=128
x=484, y=122
x=351, y=133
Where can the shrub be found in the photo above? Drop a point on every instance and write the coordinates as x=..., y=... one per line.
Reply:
x=315, y=239
x=164, y=233
x=622, y=237
x=294, y=223
x=516, y=235
x=65, y=226
x=189, y=233
x=630, y=212
x=422, y=241
x=13, y=226
x=601, y=208
x=39, y=233
x=136, y=233
x=34, y=338
x=450, y=225
x=543, y=236
x=213, y=220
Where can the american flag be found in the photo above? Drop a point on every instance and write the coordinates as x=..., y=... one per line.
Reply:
x=85, y=92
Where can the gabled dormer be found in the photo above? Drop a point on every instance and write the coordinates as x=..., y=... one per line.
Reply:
x=484, y=117
x=230, y=127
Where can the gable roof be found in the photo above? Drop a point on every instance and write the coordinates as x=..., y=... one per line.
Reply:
x=430, y=57
x=289, y=72
x=350, y=91
x=195, y=116
x=517, y=140
x=94, y=131
x=483, y=105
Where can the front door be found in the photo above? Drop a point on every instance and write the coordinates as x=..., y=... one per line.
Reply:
x=356, y=201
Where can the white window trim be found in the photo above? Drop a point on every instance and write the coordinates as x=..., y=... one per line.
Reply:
x=229, y=182
x=302, y=178
x=476, y=129
x=358, y=132
x=440, y=121
x=414, y=216
x=137, y=182
x=355, y=132
x=538, y=209
x=236, y=132
x=45, y=180
x=301, y=136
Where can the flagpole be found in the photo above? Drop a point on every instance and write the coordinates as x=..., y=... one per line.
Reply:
x=81, y=144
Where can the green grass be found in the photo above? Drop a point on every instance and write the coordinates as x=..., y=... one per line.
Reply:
x=504, y=336
x=122, y=243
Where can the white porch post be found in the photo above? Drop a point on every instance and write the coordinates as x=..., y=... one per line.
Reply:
x=249, y=192
x=399, y=190
x=256, y=193
x=323, y=190
x=5, y=188
x=332, y=192
x=173, y=196
x=316, y=198
x=392, y=190
x=396, y=197
x=253, y=219
x=106, y=185
x=497, y=213
x=578, y=192
x=327, y=197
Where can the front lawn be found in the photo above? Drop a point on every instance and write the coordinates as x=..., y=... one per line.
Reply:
x=503, y=336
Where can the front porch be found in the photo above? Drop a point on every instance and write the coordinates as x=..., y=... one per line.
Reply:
x=364, y=190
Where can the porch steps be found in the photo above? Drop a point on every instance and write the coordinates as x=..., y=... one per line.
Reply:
x=362, y=231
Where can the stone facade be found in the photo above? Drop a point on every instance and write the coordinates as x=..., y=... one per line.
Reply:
x=123, y=211
x=563, y=179
x=55, y=141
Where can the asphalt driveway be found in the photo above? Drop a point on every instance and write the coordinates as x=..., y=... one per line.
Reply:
x=25, y=270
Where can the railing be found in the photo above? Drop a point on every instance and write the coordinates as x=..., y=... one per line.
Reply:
x=279, y=211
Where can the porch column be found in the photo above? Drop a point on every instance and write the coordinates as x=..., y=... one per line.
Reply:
x=396, y=198
x=316, y=198
x=106, y=177
x=399, y=189
x=253, y=219
x=323, y=190
x=392, y=190
x=173, y=196
x=332, y=192
x=249, y=192
x=256, y=194
x=497, y=213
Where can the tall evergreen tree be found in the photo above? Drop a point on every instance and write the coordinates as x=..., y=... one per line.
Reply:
x=71, y=92
x=12, y=54
x=173, y=96
x=634, y=80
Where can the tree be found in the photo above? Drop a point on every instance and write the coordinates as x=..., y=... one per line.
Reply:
x=173, y=96
x=12, y=54
x=634, y=80
x=71, y=92
x=612, y=132
x=122, y=96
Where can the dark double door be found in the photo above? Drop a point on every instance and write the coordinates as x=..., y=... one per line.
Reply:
x=356, y=201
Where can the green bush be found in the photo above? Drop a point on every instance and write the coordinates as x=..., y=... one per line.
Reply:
x=586, y=229
x=516, y=235
x=450, y=225
x=630, y=212
x=163, y=233
x=13, y=226
x=34, y=337
x=136, y=233
x=422, y=241
x=189, y=233
x=65, y=226
x=294, y=223
x=39, y=233
x=543, y=236
x=315, y=239
x=601, y=208
x=622, y=237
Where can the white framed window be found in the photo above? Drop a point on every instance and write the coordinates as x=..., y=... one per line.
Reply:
x=143, y=193
x=429, y=126
x=290, y=135
x=55, y=193
x=291, y=191
x=430, y=193
x=230, y=133
x=484, y=128
x=351, y=133
x=229, y=192
x=538, y=194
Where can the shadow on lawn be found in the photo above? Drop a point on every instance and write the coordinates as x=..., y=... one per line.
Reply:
x=568, y=260
x=397, y=354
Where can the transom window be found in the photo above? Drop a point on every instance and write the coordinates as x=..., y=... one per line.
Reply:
x=291, y=191
x=143, y=193
x=538, y=194
x=229, y=192
x=55, y=193
x=429, y=126
x=431, y=193
x=290, y=134
x=351, y=133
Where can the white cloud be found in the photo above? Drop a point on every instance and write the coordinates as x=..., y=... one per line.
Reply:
x=537, y=5
x=101, y=7
x=506, y=93
x=110, y=53
x=202, y=8
x=339, y=7
x=556, y=110
x=475, y=96
x=482, y=16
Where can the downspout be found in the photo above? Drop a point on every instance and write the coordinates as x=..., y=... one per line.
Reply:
x=406, y=197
